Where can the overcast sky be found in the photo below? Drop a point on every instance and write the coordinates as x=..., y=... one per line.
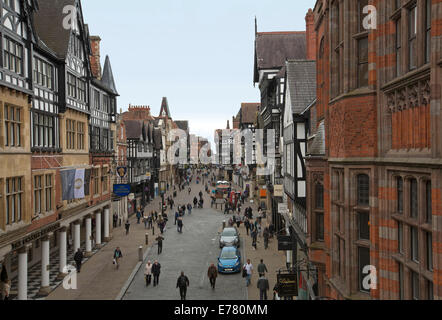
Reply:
x=197, y=53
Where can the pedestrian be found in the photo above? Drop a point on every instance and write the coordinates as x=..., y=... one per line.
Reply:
x=78, y=258
x=156, y=216
x=138, y=216
x=266, y=238
x=247, y=224
x=182, y=283
x=176, y=217
x=156, y=270
x=145, y=220
x=248, y=271
x=148, y=273
x=180, y=225
x=127, y=226
x=189, y=208
x=262, y=268
x=212, y=274
x=254, y=238
x=195, y=202
x=238, y=221
x=149, y=221
x=117, y=256
x=115, y=219
x=263, y=286
x=5, y=288
x=160, y=239
x=189, y=190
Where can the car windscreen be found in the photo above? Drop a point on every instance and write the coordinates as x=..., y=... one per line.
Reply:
x=228, y=254
x=229, y=233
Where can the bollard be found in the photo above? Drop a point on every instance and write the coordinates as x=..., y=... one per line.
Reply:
x=153, y=230
x=140, y=253
x=147, y=239
x=224, y=224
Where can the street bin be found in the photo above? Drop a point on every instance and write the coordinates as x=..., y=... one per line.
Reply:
x=224, y=224
x=147, y=239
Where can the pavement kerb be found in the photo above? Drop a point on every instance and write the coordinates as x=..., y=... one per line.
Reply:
x=133, y=274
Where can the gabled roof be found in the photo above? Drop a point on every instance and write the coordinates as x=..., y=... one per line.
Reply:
x=134, y=128
x=272, y=49
x=301, y=83
x=165, y=112
x=49, y=20
x=182, y=124
x=248, y=112
x=158, y=139
x=107, y=79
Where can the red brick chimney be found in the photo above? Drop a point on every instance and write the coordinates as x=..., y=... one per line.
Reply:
x=310, y=35
x=95, y=57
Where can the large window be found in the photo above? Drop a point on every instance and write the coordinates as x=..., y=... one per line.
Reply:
x=43, y=73
x=363, y=261
x=38, y=195
x=319, y=226
x=427, y=31
x=398, y=47
x=43, y=189
x=412, y=42
x=413, y=198
x=80, y=135
x=70, y=134
x=95, y=141
x=105, y=179
x=13, y=125
x=429, y=251
x=48, y=192
x=96, y=174
x=81, y=86
x=12, y=56
x=364, y=225
x=43, y=126
x=415, y=295
x=362, y=47
x=319, y=196
x=400, y=237
x=414, y=244
x=428, y=199
x=72, y=86
x=97, y=99
x=14, y=198
x=400, y=194
x=363, y=184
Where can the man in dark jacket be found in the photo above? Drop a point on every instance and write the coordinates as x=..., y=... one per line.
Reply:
x=212, y=274
x=195, y=202
x=160, y=244
x=262, y=268
x=180, y=225
x=182, y=283
x=263, y=286
x=78, y=258
x=127, y=226
x=156, y=270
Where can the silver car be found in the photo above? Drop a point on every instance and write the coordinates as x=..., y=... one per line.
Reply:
x=229, y=238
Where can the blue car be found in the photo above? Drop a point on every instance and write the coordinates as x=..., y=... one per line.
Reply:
x=229, y=260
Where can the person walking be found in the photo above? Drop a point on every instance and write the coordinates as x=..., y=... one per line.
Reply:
x=127, y=226
x=117, y=256
x=78, y=258
x=180, y=225
x=138, y=216
x=189, y=190
x=263, y=286
x=148, y=273
x=254, y=238
x=247, y=224
x=182, y=283
x=176, y=217
x=212, y=274
x=115, y=219
x=145, y=220
x=156, y=270
x=249, y=271
x=160, y=239
x=195, y=202
x=262, y=268
x=266, y=237
x=189, y=208
x=150, y=221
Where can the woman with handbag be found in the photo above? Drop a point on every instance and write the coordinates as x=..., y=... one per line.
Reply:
x=148, y=272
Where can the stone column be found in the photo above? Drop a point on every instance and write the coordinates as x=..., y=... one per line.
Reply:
x=45, y=285
x=98, y=228
x=77, y=235
x=106, y=225
x=63, y=252
x=88, y=252
x=23, y=273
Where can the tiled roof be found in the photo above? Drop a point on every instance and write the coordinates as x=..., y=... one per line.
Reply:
x=317, y=146
x=272, y=49
x=183, y=124
x=301, y=82
x=107, y=78
x=48, y=20
x=158, y=139
x=134, y=128
x=248, y=112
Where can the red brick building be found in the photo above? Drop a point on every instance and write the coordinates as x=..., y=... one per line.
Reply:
x=379, y=178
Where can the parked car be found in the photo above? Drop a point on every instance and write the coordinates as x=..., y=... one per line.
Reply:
x=229, y=260
x=229, y=238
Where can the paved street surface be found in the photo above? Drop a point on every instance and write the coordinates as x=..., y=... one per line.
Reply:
x=191, y=252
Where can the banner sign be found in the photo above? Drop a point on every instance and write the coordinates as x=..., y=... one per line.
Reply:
x=121, y=190
x=122, y=171
x=287, y=285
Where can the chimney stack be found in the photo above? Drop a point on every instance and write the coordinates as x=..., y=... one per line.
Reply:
x=95, y=57
x=310, y=35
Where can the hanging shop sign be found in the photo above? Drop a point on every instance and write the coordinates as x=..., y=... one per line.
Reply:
x=122, y=171
x=285, y=243
x=121, y=190
x=278, y=190
x=287, y=285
